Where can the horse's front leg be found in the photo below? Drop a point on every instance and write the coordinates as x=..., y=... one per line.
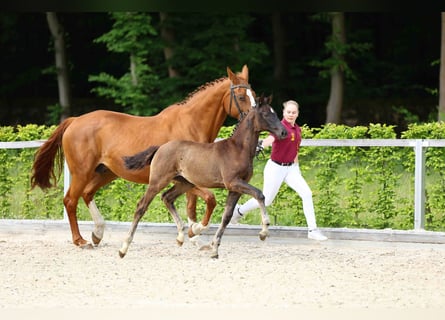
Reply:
x=231, y=201
x=209, y=198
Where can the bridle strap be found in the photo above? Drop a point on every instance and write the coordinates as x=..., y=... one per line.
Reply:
x=233, y=97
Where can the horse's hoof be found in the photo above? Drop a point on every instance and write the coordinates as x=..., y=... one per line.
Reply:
x=80, y=242
x=190, y=233
x=86, y=246
x=121, y=254
x=214, y=256
x=179, y=243
x=95, y=239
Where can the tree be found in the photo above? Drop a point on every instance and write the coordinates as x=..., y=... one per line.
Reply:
x=441, y=113
x=63, y=82
x=168, y=37
x=279, y=39
x=335, y=102
x=335, y=66
x=132, y=34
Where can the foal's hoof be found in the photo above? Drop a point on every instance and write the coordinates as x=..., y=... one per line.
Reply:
x=179, y=242
x=95, y=239
x=214, y=256
x=263, y=236
x=121, y=254
x=205, y=247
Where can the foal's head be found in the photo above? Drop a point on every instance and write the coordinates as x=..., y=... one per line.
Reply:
x=267, y=119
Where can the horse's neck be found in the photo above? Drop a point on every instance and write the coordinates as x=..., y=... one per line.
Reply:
x=204, y=111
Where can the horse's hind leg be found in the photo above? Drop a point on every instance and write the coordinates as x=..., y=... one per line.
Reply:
x=209, y=198
x=169, y=198
x=70, y=202
x=99, y=180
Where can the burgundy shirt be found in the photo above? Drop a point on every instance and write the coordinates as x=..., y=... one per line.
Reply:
x=287, y=149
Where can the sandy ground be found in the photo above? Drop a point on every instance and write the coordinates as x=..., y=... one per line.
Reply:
x=42, y=269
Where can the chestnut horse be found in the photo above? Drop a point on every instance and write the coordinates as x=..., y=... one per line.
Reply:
x=94, y=143
x=223, y=164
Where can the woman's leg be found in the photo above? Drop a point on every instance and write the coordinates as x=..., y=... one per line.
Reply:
x=295, y=180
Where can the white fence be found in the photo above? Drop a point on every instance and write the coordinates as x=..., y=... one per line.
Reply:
x=418, y=145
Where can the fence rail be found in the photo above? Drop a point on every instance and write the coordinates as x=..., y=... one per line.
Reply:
x=418, y=145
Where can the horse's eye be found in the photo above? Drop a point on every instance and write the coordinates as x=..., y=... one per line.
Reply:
x=242, y=98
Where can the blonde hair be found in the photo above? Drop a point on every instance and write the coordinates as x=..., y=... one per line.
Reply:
x=291, y=102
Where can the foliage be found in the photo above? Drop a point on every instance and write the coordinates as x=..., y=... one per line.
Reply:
x=209, y=42
x=17, y=200
x=338, y=53
x=435, y=168
x=132, y=35
x=364, y=187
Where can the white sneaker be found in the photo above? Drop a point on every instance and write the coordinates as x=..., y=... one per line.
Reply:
x=316, y=234
x=236, y=217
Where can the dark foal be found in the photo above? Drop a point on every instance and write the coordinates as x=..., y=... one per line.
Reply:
x=223, y=164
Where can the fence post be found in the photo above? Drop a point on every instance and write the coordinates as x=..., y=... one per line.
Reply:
x=419, y=186
x=66, y=185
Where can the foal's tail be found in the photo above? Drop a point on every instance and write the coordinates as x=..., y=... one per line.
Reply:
x=141, y=159
x=50, y=153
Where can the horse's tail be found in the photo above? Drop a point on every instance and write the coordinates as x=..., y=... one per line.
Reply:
x=141, y=159
x=44, y=173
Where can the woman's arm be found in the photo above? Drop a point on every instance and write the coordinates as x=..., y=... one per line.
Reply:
x=267, y=142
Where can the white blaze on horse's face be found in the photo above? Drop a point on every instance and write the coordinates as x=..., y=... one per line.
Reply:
x=252, y=100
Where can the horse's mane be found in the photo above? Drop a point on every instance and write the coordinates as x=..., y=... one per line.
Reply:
x=201, y=88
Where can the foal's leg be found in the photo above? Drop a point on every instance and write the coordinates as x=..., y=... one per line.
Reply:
x=243, y=187
x=140, y=211
x=169, y=198
x=99, y=180
x=209, y=198
x=231, y=201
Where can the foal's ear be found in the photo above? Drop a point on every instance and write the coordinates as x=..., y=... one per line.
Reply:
x=269, y=99
x=260, y=100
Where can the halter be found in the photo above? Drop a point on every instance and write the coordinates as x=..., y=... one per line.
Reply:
x=233, y=97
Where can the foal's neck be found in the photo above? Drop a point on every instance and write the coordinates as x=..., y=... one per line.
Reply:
x=246, y=136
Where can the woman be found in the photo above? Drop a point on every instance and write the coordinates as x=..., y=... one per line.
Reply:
x=283, y=167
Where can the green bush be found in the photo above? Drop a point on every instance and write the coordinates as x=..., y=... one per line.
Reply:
x=360, y=187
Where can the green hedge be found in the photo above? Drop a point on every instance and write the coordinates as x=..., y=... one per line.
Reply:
x=358, y=187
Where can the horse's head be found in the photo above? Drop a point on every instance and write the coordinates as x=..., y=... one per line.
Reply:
x=267, y=119
x=241, y=98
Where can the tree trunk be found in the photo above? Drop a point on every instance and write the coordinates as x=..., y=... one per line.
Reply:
x=441, y=113
x=133, y=66
x=279, y=48
x=63, y=83
x=335, y=103
x=168, y=37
